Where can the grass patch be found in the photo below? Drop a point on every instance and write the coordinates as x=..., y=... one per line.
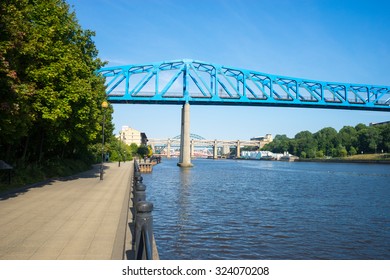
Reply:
x=361, y=158
x=385, y=157
x=34, y=173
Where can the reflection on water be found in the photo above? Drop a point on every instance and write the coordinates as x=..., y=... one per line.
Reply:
x=227, y=209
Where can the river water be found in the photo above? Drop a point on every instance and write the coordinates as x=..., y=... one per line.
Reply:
x=239, y=209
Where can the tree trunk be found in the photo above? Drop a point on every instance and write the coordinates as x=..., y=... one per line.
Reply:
x=41, y=147
x=25, y=149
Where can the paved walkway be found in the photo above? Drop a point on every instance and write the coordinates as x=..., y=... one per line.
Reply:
x=76, y=218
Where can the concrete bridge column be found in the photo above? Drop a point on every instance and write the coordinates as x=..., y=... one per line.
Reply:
x=238, y=151
x=169, y=148
x=226, y=149
x=215, y=151
x=181, y=136
x=185, y=153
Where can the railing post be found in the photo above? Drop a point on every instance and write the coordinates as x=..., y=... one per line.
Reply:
x=136, y=166
x=144, y=231
x=137, y=177
x=139, y=191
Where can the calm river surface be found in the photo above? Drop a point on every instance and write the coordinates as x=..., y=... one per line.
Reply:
x=237, y=209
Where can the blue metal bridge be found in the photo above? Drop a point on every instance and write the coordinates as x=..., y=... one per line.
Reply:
x=195, y=82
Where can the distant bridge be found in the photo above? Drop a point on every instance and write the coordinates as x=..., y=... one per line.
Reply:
x=198, y=141
x=188, y=81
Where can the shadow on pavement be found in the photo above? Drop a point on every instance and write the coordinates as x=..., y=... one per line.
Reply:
x=94, y=172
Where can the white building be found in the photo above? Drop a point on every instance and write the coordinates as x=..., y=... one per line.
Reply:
x=263, y=139
x=130, y=135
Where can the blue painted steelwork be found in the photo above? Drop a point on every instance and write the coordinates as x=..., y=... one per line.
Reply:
x=196, y=82
x=192, y=136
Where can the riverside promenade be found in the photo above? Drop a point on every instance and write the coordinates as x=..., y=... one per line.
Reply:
x=77, y=218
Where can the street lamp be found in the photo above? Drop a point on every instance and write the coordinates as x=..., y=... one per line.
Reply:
x=104, y=106
x=120, y=149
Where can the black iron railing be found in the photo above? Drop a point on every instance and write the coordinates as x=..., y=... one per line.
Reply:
x=143, y=219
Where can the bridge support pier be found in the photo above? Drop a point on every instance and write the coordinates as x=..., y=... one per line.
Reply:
x=169, y=148
x=226, y=149
x=215, y=150
x=185, y=140
x=238, y=151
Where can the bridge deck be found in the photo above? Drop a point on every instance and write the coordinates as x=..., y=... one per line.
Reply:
x=77, y=218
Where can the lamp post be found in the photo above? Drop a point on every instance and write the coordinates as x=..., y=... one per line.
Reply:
x=104, y=106
x=120, y=149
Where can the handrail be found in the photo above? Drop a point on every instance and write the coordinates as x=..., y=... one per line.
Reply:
x=143, y=219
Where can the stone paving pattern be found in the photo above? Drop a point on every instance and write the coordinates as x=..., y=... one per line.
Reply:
x=75, y=218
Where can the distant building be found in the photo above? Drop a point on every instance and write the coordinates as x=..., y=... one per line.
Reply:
x=380, y=123
x=263, y=139
x=130, y=135
x=144, y=139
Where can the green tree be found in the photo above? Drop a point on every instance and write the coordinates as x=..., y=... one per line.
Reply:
x=279, y=144
x=348, y=137
x=352, y=151
x=306, y=143
x=293, y=147
x=341, y=151
x=14, y=106
x=360, y=126
x=150, y=151
x=327, y=139
x=384, y=144
x=328, y=142
x=133, y=149
x=50, y=97
x=142, y=151
x=369, y=139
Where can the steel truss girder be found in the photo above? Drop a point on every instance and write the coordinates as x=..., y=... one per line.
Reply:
x=196, y=82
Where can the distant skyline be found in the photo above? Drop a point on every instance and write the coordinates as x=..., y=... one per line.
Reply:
x=335, y=41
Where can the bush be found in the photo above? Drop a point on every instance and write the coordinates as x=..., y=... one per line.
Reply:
x=320, y=154
x=33, y=173
x=343, y=152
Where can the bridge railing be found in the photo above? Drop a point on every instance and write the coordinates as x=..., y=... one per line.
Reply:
x=143, y=231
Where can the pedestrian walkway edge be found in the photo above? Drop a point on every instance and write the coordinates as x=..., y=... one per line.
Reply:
x=119, y=251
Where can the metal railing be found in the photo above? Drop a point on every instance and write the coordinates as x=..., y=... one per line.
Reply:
x=143, y=219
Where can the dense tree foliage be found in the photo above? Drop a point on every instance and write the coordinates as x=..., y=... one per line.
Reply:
x=327, y=142
x=144, y=151
x=119, y=151
x=50, y=98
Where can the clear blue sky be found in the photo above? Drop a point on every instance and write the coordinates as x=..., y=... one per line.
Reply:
x=338, y=41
